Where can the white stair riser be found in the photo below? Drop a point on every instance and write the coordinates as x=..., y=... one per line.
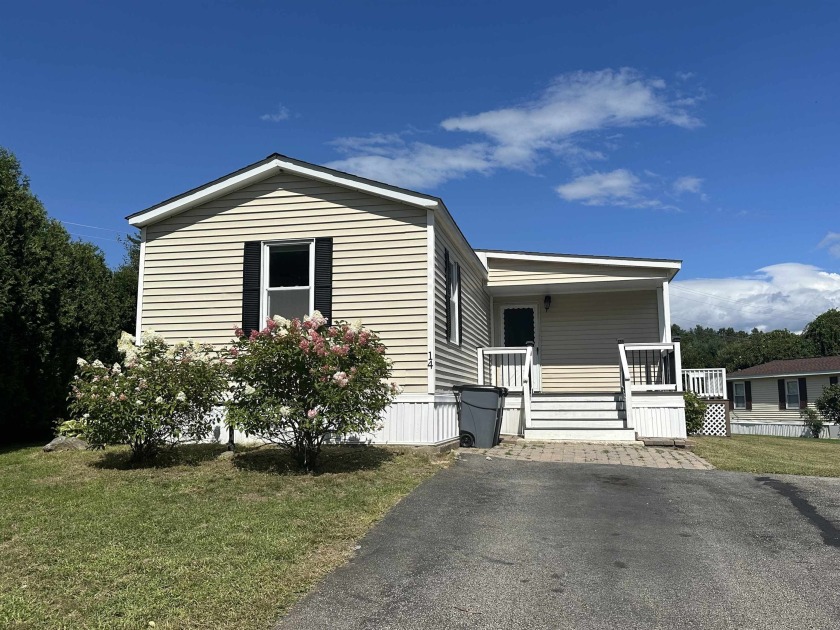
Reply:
x=586, y=435
x=576, y=415
x=583, y=399
x=540, y=423
x=571, y=406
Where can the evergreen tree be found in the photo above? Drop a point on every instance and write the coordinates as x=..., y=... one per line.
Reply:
x=56, y=303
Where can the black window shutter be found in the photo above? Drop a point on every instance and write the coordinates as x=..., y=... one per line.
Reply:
x=251, y=259
x=460, y=310
x=730, y=393
x=448, y=289
x=323, y=276
x=782, y=395
x=832, y=380
x=748, y=394
x=803, y=393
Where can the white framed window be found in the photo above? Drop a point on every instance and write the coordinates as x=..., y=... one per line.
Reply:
x=739, y=393
x=453, y=302
x=792, y=394
x=288, y=279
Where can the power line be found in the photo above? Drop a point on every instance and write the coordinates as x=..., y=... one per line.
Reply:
x=100, y=238
x=93, y=227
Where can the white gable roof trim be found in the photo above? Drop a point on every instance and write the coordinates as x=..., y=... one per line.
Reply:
x=580, y=259
x=266, y=168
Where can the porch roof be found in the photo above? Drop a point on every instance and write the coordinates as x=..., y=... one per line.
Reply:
x=521, y=273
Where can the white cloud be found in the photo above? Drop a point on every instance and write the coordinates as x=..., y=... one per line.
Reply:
x=831, y=242
x=414, y=165
x=573, y=104
x=616, y=188
x=600, y=188
x=571, y=114
x=688, y=183
x=281, y=114
x=787, y=295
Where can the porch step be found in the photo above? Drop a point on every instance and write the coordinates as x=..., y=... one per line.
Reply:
x=594, y=397
x=585, y=434
x=576, y=423
x=575, y=410
x=572, y=405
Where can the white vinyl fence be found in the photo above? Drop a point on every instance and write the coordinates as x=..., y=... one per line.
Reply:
x=780, y=429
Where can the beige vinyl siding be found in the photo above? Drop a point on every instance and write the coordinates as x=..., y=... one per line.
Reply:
x=192, y=280
x=458, y=364
x=524, y=272
x=578, y=345
x=765, y=399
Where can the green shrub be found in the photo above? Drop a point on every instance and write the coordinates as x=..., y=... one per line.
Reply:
x=160, y=395
x=812, y=420
x=298, y=384
x=695, y=411
x=829, y=404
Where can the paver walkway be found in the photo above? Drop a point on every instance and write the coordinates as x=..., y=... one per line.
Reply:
x=621, y=453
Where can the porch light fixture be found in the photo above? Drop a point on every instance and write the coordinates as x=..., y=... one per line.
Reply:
x=547, y=302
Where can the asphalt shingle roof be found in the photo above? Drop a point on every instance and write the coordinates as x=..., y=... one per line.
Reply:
x=791, y=366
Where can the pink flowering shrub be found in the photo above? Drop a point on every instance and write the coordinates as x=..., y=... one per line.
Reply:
x=159, y=395
x=298, y=383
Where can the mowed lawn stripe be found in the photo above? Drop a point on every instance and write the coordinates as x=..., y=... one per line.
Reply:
x=195, y=544
x=776, y=455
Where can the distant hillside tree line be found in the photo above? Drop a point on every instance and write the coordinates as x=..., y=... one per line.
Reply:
x=59, y=300
x=737, y=349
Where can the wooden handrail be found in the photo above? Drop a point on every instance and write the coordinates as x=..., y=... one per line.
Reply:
x=518, y=374
x=653, y=371
x=526, y=384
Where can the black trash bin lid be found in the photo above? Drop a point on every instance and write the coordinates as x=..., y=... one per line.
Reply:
x=502, y=391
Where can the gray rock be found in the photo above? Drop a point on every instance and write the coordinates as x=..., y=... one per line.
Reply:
x=226, y=455
x=62, y=443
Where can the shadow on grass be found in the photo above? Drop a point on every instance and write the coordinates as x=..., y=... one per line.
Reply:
x=333, y=460
x=10, y=448
x=181, y=455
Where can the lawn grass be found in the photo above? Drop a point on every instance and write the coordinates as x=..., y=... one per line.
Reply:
x=87, y=542
x=766, y=454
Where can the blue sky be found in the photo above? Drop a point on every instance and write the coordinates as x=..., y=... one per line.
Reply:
x=707, y=133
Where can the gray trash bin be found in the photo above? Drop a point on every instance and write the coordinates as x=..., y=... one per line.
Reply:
x=480, y=414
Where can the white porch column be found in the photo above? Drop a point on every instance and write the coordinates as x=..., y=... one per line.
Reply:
x=663, y=302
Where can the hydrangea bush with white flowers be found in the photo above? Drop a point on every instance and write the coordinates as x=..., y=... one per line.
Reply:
x=299, y=383
x=160, y=395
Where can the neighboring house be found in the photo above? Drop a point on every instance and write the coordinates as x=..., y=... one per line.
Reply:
x=283, y=236
x=768, y=398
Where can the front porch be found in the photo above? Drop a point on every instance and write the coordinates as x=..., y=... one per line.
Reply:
x=584, y=347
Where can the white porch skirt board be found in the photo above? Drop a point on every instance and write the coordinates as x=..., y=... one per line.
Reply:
x=660, y=414
x=413, y=419
x=779, y=429
x=513, y=419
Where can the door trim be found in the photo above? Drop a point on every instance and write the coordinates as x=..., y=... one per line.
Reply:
x=537, y=374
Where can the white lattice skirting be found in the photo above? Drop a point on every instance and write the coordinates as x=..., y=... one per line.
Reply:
x=714, y=422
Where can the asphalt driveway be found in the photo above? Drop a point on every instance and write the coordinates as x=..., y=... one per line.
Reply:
x=514, y=544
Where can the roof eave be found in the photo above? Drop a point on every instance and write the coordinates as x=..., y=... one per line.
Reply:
x=673, y=266
x=276, y=163
x=735, y=376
